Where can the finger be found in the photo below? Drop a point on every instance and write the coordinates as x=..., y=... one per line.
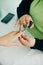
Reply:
x=13, y=32
x=9, y=34
x=24, y=42
x=21, y=27
x=13, y=44
x=28, y=19
x=24, y=22
x=26, y=37
x=17, y=23
x=18, y=35
x=32, y=26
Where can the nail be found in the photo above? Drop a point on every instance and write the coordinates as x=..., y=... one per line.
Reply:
x=30, y=24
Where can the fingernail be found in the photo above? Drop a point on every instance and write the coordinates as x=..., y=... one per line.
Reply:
x=30, y=24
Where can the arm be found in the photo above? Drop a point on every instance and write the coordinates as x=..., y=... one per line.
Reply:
x=24, y=7
x=31, y=42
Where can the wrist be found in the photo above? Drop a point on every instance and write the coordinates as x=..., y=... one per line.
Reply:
x=34, y=42
x=36, y=45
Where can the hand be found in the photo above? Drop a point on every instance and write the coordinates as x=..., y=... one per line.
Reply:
x=27, y=41
x=7, y=40
x=25, y=20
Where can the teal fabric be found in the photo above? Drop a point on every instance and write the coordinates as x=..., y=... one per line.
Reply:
x=36, y=12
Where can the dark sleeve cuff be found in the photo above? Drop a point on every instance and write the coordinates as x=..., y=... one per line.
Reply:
x=38, y=45
x=21, y=12
x=24, y=8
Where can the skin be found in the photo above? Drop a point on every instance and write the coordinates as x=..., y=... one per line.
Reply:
x=25, y=20
x=7, y=40
x=24, y=39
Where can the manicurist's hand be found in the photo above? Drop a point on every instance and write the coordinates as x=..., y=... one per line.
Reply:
x=7, y=40
x=26, y=40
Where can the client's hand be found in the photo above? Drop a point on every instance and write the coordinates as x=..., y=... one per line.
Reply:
x=7, y=40
x=25, y=20
x=26, y=40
